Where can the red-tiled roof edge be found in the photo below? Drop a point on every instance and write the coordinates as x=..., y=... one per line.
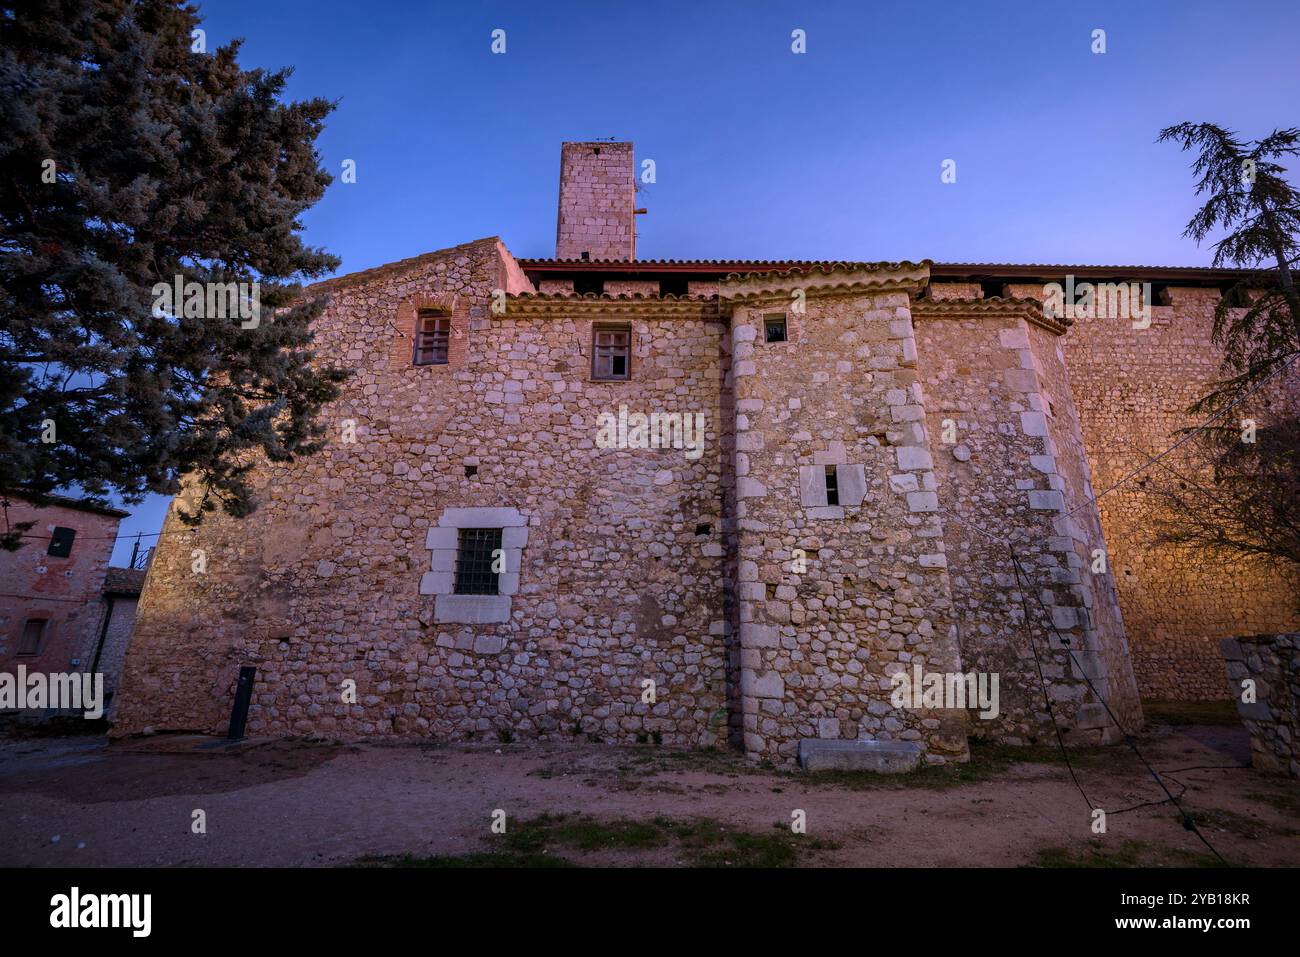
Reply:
x=123, y=581
x=1057, y=270
x=937, y=269
x=66, y=501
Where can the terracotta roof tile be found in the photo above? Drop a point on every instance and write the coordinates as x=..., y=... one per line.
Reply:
x=124, y=581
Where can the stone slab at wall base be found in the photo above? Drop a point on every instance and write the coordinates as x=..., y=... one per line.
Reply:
x=1272, y=662
x=883, y=757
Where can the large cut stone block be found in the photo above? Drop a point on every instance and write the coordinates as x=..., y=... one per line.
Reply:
x=910, y=458
x=442, y=560
x=767, y=684
x=472, y=609
x=1046, y=500
x=851, y=481
x=481, y=518
x=442, y=538
x=514, y=537
x=883, y=757
x=759, y=636
x=436, y=583
x=812, y=485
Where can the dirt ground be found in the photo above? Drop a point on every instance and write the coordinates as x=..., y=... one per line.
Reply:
x=83, y=802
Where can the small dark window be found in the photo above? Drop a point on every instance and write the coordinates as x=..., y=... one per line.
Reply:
x=774, y=328
x=585, y=284
x=832, y=486
x=474, y=561
x=703, y=528
x=33, y=632
x=675, y=286
x=471, y=471
x=611, y=352
x=432, y=338
x=61, y=542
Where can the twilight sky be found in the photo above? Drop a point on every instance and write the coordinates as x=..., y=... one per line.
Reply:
x=760, y=152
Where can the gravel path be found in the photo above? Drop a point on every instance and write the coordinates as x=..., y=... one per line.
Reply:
x=82, y=802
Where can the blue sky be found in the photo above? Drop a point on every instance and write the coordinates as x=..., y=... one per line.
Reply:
x=759, y=152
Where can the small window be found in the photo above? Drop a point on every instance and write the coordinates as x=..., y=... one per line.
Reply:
x=432, y=338
x=479, y=550
x=674, y=286
x=33, y=634
x=611, y=352
x=774, y=328
x=61, y=542
x=585, y=284
x=832, y=486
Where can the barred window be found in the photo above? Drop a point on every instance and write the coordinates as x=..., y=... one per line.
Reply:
x=478, y=550
x=611, y=352
x=33, y=632
x=432, y=335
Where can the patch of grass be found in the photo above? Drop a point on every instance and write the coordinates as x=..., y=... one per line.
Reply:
x=703, y=842
x=584, y=833
x=1242, y=825
x=1125, y=853
x=465, y=861
x=1288, y=801
x=706, y=842
x=1182, y=713
x=750, y=850
x=647, y=762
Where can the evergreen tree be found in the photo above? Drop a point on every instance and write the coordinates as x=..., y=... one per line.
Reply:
x=1236, y=491
x=1250, y=199
x=130, y=156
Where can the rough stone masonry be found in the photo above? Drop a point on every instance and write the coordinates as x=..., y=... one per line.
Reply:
x=466, y=561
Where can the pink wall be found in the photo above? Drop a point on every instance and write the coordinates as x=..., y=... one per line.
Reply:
x=67, y=591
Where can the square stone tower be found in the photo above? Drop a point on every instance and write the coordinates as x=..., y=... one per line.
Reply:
x=597, y=194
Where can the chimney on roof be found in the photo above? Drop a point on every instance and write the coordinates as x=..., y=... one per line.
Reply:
x=597, y=198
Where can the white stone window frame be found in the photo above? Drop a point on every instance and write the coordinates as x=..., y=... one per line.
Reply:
x=850, y=483
x=443, y=542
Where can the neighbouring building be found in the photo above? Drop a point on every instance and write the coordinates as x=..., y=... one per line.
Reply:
x=122, y=587
x=706, y=502
x=62, y=607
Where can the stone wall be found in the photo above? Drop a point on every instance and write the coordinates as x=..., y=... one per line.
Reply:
x=621, y=579
x=1132, y=387
x=117, y=638
x=836, y=598
x=691, y=595
x=1012, y=477
x=1272, y=663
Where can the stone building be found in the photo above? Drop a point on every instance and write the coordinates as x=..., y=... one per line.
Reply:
x=702, y=503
